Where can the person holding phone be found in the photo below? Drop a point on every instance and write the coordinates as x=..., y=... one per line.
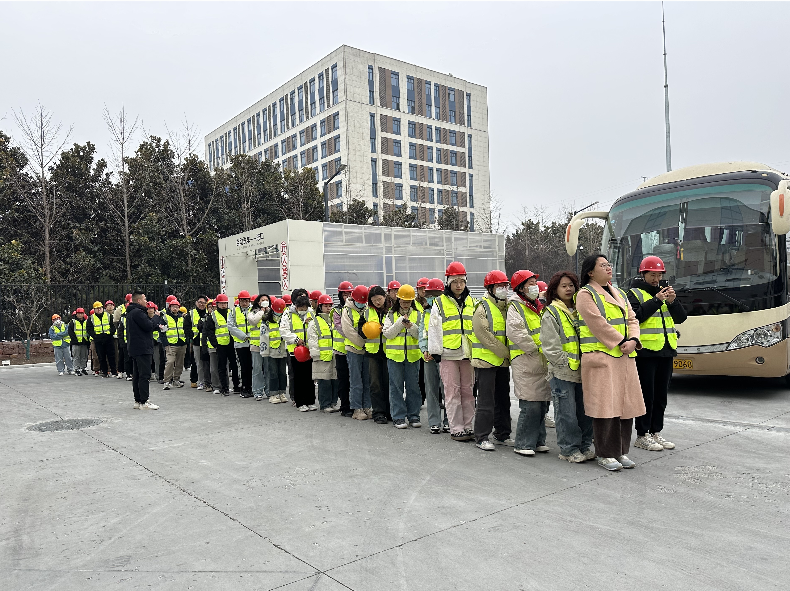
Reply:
x=657, y=311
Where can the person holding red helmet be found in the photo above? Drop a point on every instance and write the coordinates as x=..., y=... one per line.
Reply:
x=354, y=315
x=491, y=360
x=449, y=331
x=339, y=344
x=657, y=311
x=529, y=364
x=434, y=389
x=293, y=328
x=320, y=337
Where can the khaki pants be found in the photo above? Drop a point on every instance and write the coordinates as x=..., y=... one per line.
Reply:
x=174, y=364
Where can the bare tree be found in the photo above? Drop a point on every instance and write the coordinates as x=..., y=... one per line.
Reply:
x=42, y=143
x=491, y=221
x=122, y=132
x=27, y=302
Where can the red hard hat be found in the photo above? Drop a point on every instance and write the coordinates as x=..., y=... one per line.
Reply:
x=360, y=294
x=174, y=303
x=542, y=285
x=278, y=305
x=302, y=353
x=494, y=277
x=220, y=298
x=79, y=311
x=324, y=299
x=435, y=285
x=520, y=277
x=108, y=302
x=652, y=263
x=128, y=297
x=345, y=286
x=314, y=295
x=152, y=305
x=422, y=282
x=287, y=298
x=170, y=298
x=91, y=311
x=244, y=295
x=455, y=268
x=394, y=285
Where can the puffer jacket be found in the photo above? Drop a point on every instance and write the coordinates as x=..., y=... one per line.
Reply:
x=530, y=370
x=483, y=332
x=322, y=370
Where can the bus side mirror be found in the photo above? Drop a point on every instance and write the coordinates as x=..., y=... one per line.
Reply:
x=572, y=231
x=780, y=208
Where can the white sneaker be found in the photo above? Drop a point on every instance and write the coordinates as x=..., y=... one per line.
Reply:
x=217, y=391
x=119, y=376
x=626, y=462
x=136, y=406
x=610, y=464
x=303, y=408
x=588, y=454
x=275, y=399
x=662, y=442
x=283, y=398
x=149, y=405
x=70, y=372
x=542, y=449
x=166, y=387
x=60, y=373
x=510, y=442
x=129, y=379
x=549, y=422
x=525, y=452
x=486, y=445
x=575, y=458
x=647, y=442
x=312, y=407
x=200, y=386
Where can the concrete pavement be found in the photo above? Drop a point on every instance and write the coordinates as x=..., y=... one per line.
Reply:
x=223, y=493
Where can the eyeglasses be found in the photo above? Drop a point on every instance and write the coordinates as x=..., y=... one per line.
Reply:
x=605, y=265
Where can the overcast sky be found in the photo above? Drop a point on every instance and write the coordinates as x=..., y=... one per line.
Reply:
x=575, y=90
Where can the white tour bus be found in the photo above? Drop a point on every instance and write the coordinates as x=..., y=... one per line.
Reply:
x=720, y=230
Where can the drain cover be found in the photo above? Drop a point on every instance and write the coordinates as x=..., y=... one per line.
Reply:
x=64, y=425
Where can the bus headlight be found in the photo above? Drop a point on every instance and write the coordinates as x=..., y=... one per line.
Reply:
x=764, y=336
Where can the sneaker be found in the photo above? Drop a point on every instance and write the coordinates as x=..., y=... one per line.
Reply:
x=588, y=454
x=380, y=420
x=312, y=407
x=346, y=413
x=119, y=376
x=369, y=412
x=470, y=433
x=549, y=422
x=663, y=442
x=275, y=399
x=194, y=384
x=627, y=463
x=200, y=386
x=225, y=393
x=461, y=436
x=245, y=395
x=485, y=445
x=128, y=379
x=510, y=442
x=524, y=452
x=217, y=391
x=436, y=430
x=283, y=398
x=336, y=406
x=258, y=397
x=179, y=384
x=575, y=458
x=166, y=387
x=136, y=406
x=329, y=410
x=160, y=381
x=647, y=442
x=445, y=428
x=415, y=424
x=610, y=464
x=303, y=408
x=149, y=405
x=70, y=372
x=359, y=414
x=400, y=424
x=60, y=373
x=542, y=449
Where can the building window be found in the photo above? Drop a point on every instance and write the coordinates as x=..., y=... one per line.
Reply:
x=374, y=170
x=398, y=170
x=428, y=106
x=395, y=79
x=410, y=106
x=293, y=109
x=303, y=158
x=439, y=176
x=412, y=151
x=313, y=132
x=452, y=116
x=472, y=222
x=295, y=160
x=429, y=153
x=440, y=214
x=438, y=131
x=430, y=195
x=321, y=104
x=315, y=170
x=312, y=97
x=323, y=149
x=396, y=148
x=431, y=216
x=370, y=73
x=323, y=127
x=315, y=154
x=336, y=121
x=452, y=138
x=396, y=126
x=429, y=133
x=471, y=190
x=412, y=129
x=439, y=197
x=339, y=189
x=335, y=98
x=430, y=175
x=438, y=155
x=334, y=73
x=410, y=83
x=337, y=144
x=396, y=103
x=372, y=145
x=375, y=192
x=282, y=115
x=284, y=146
x=301, y=137
x=454, y=198
x=413, y=172
x=469, y=149
x=399, y=192
x=274, y=119
x=301, y=104
x=375, y=209
x=371, y=98
x=324, y=174
x=413, y=194
x=276, y=153
x=453, y=178
x=453, y=158
x=468, y=109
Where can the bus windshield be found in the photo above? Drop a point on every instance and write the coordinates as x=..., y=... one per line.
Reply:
x=715, y=241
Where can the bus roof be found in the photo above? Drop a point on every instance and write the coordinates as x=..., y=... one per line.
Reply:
x=701, y=170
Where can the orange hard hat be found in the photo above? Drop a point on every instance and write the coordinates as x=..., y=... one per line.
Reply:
x=371, y=329
x=54, y=316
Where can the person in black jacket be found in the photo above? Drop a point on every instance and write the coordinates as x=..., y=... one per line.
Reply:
x=140, y=346
x=658, y=312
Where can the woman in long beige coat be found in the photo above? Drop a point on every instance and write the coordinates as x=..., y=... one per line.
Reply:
x=612, y=394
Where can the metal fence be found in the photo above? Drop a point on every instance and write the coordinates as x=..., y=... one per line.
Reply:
x=63, y=299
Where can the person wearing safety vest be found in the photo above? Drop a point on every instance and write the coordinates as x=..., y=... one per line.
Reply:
x=175, y=342
x=658, y=312
x=199, y=372
x=420, y=303
x=528, y=363
x=314, y=295
x=402, y=349
x=491, y=360
x=391, y=293
x=61, y=342
x=218, y=337
x=119, y=318
x=559, y=339
x=240, y=330
x=608, y=338
x=378, y=307
x=80, y=341
x=274, y=351
x=293, y=329
x=449, y=332
x=100, y=330
x=352, y=321
x=258, y=311
x=291, y=307
x=109, y=309
x=339, y=343
x=434, y=389
x=208, y=353
x=320, y=333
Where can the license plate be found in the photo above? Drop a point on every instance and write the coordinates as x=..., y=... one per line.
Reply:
x=682, y=364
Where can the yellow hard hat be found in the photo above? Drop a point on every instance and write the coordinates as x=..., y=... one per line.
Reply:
x=371, y=329
x=406, y=293
x=182, y=309
x=97, y=304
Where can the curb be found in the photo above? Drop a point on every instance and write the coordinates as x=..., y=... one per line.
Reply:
x=23, y=365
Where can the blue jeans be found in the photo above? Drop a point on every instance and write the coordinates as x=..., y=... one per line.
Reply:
x=531, y=428
x=327, y=393
x=359, y=380
x=278, y=382
x=63, y=357
x=434, y=394
x=259, y=385
x=574, y=428
x=404, y=373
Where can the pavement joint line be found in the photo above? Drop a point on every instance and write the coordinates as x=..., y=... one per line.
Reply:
x=726, y=423
x=31, y=400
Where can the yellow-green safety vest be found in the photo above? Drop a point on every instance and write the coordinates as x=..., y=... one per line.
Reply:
x=325, y=344
x=373, y=345
x=81, y=331
x=615, y=317
x=297, y=324
x=532, y=322
x=496, y=324
x=338, y=341
x=403, y=347
x=195, y=319
x=355, y=316
x=242, y=324
x=651, y=331
x=455, y=324
x=103, y=327
x=175, y=329
x=221, y=332
x=569, y=335
x=274, y=336
x=61, y=335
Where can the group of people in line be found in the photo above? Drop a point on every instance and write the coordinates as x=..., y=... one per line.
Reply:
x=601, y=355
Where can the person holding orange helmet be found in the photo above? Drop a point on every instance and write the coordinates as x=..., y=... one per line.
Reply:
x=354, y=314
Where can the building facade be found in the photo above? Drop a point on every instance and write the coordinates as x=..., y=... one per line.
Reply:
x=409, y=137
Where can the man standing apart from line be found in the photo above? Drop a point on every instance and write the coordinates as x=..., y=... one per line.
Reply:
x=139, y=328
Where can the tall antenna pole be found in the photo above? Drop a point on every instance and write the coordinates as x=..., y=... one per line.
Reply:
x=666, y=91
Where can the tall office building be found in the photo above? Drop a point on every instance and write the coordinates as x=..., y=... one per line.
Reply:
x=409, y=137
